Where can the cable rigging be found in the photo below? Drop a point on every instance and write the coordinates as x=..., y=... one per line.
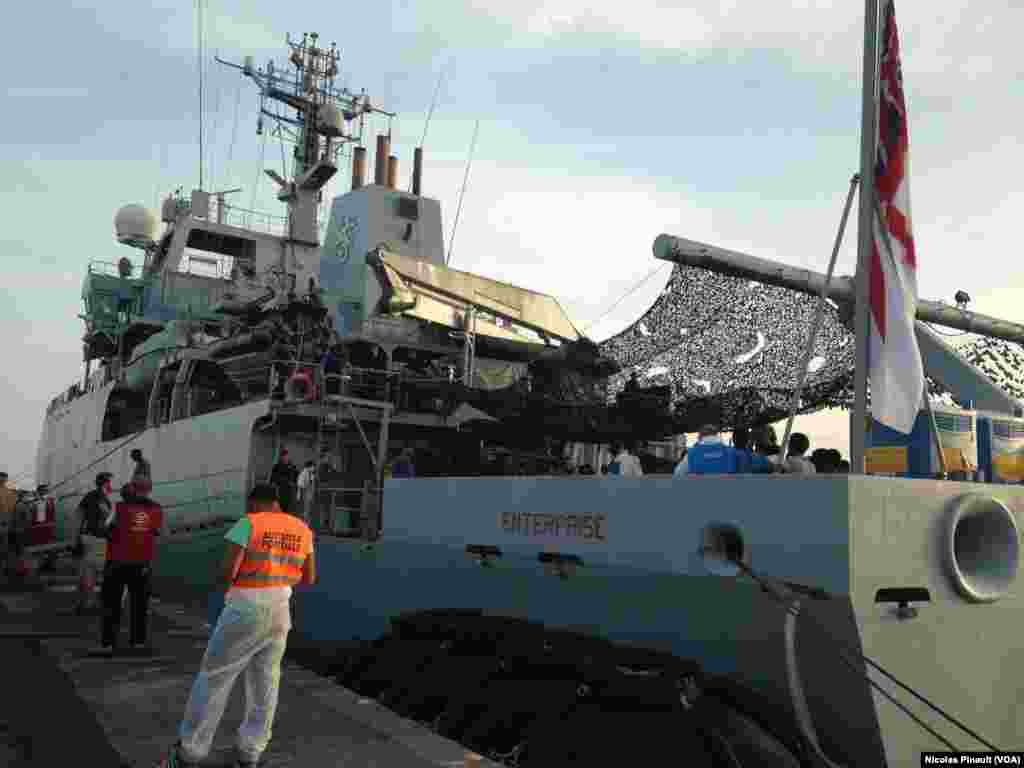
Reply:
x=626, y=295
x=845, y=652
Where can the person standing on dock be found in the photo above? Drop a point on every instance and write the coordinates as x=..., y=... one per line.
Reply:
x=95, y=516
x=136, y=524
x=8, y=505
x=268, y=552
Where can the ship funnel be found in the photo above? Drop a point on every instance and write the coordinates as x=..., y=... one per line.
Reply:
x=380, y=162
x=358, y=167
x=136, y=226
x=392, y=172
x=417, y=170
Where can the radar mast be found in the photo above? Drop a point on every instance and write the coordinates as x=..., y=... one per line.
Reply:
x=326, y=118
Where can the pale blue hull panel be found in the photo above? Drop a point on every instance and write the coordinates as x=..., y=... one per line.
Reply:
x=729, y=627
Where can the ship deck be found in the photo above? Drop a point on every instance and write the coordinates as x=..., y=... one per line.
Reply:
x=75, y=709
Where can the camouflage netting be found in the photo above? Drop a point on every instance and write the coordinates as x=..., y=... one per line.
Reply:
x=1001, y=361
x=729, y=349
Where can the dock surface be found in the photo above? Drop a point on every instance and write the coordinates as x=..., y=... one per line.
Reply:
x=63, y=706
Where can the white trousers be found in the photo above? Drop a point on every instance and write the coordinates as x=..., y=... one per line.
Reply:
x=249, y=638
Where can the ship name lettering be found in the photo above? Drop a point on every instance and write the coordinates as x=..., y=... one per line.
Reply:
x=592, y=527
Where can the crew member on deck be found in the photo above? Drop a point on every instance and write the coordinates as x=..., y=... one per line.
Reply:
x=624, y=462
x=284, y=476
x=709, y=456
x=307, y=491
x=142, y=468
x=268, y=552
x=403, y=465
x=796, y=463
x=748, y=462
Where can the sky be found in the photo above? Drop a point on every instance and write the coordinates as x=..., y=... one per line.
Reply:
x=602, y=125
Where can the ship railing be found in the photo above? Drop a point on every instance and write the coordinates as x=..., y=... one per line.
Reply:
x=366, y=383
x=421, y=394
x=246, y=218
x=223, y=212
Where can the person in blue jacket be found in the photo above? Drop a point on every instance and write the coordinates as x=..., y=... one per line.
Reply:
x=711, y=456
x=708, y=456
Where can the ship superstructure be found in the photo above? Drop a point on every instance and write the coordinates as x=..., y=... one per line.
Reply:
x=234, y=312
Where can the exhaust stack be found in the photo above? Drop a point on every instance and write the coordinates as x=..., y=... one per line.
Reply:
x=358, y=167
x=417, y=170
x=392, y=172
x=380, y=163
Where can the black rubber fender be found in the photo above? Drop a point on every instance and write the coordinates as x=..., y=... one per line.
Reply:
x=591, y=737
x=749, y=743
x=431, y=691
x=515, y=705
x=773, y=714
x=391, y=665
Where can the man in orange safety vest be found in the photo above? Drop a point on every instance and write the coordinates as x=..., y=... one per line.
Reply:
x=268, y=552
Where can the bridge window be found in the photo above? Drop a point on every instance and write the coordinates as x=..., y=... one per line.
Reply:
x=211, y=254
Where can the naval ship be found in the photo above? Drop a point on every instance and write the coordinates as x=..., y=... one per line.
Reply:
x=833, y=620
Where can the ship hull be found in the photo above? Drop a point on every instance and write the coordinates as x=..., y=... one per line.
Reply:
x=641, y=580
x=200, y=469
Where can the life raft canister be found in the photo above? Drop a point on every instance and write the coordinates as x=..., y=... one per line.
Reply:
x=300, y=386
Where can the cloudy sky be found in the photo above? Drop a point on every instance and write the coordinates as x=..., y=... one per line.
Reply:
x=602, y=124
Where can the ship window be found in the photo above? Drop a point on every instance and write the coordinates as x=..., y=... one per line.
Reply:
x=125, y=414
x=211, y=254
x=409, y=208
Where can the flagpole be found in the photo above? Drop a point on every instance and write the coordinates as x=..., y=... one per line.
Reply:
x=868, y=135
x=943, y=471
x=819, y=315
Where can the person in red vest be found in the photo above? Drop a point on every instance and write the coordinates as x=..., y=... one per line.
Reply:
x=268, y=552
x=136, y=524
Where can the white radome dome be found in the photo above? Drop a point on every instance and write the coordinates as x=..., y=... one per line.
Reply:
x=137, y=226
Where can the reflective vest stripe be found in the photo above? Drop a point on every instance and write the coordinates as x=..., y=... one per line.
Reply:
x=265, y=579
x=257, y=557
